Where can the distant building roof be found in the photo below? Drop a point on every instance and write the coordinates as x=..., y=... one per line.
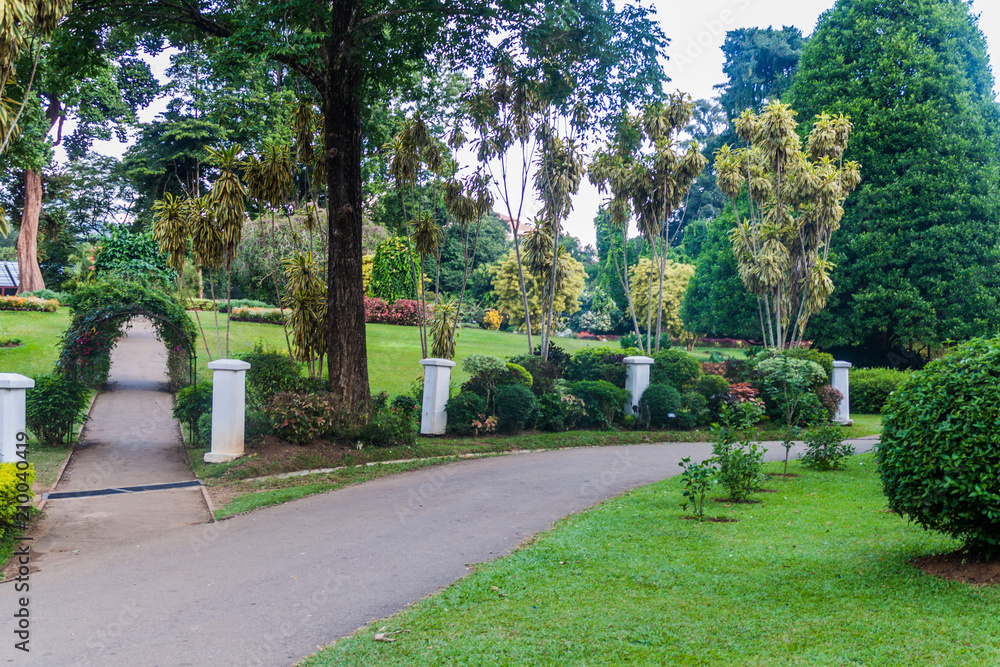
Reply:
x=9, y=275
x=525, y=226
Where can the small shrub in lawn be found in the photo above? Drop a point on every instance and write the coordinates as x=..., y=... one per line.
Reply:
x=829, y=398
x=199, y=304
x=786, y=383
x=15, y=491
x=191, y=403
x=940, y=438
x=698, y=478
x=515, y=408
x=870, y=388
x=463, y=410
x=259, y=315
x=223, y=306
x=694, y=411
x=604, y=402
x=271, y=372
x=825, y=447
x=676, y=368
x=53, y=407
x=48, y=295
x=740, y=461
x=659, y=405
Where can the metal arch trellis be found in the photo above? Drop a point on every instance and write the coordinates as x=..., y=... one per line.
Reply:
x=192, y=351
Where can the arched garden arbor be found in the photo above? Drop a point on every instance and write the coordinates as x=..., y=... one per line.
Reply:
x=101, y=313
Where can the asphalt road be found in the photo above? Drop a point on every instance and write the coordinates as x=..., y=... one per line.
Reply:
x=270, y=587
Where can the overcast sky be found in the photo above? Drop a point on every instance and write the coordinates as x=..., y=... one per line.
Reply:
x=696, y=29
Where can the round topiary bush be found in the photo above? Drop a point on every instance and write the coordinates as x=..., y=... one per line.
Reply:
x=660, y=404
x=939, y=457
x=515, y=408
x=462, y=410
x=675, y=368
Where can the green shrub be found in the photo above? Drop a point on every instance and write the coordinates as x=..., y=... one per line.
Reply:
x=302, y=417
x=515, y=408
x=549, y=413
x=870, y=388
x=825, y=447
x=543, y=373
x=48, y=295
x=694, y=411
x=223, y=306
x=712, y=387
x=16, y=478
x=597, y=363
x=787, y=385
x=603, y=401
x=408, y=406
x=740, y=461
x=193, y=303
x=557, y=356
x=191, y=403
x=204, y=430
x=822, y=359
x=659, y=405
x=387, y=427
x=54, y=406
x=676, y=368
x=938, y=456
x=517, y=374
x=260, y=315
x=270, y=373
x=463, y=410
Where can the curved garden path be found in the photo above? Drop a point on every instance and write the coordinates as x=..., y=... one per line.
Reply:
x=269, y=587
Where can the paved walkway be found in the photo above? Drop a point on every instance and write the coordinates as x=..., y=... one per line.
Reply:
x=131, y=439
x=270, y=587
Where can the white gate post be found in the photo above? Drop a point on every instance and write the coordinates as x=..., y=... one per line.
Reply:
x=636, y=379
x=12, y=414
x=437, y=382
x=839, y=380
x=229, y=377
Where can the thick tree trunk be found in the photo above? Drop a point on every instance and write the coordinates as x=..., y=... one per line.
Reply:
x=27, y=239
x=348, y=359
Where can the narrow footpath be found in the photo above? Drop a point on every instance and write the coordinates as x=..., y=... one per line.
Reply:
x=130, y=440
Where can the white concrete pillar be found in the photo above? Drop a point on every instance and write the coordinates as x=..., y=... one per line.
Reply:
x=229, y=379
x=437, y=382
x=12, y=418
x=840, y=382
x=636, y=379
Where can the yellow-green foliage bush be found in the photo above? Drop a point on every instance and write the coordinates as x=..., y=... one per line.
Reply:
x=265, y=315
x=15, y=492
x=28, y=303
x=492, y=320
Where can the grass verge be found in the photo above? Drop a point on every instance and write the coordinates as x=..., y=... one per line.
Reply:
x=230, y=482
x=818, y=574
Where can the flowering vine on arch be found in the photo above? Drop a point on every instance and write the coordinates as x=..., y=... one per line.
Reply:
x=102, y=312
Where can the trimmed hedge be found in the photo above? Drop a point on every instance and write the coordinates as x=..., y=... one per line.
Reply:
x=260, y=315
x=870, y=388
x=28, y=303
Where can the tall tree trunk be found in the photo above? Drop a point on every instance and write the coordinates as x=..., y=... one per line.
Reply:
x=27, y=239
x=346, y=345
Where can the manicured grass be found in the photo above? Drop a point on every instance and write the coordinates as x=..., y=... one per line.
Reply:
x=47, y=461
x=818, y=574
x=41, y=336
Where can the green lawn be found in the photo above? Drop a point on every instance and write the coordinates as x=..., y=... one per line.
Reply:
x=818, y=574
x=41, y=335
x=393, y=351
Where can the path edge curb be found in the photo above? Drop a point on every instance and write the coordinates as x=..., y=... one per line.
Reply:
x=69, y=455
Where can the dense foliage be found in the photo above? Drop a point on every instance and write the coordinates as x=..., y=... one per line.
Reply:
x=938, y=452
x=918, y=252
x=54, y=406
x=870, y=388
